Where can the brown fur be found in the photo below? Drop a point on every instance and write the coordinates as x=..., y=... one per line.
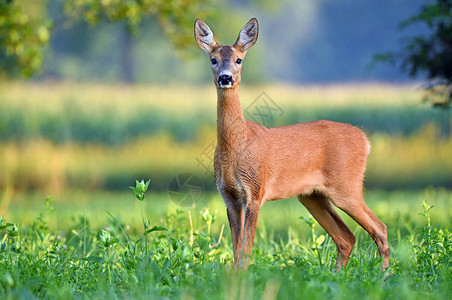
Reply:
x=320, y=162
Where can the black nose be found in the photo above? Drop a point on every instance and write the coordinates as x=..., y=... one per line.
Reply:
x=225, y=78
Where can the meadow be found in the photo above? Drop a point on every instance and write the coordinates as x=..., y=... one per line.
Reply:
x=71, y=228
x=115, y=246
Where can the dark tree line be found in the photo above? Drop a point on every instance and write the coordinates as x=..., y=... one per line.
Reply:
x=430, y=55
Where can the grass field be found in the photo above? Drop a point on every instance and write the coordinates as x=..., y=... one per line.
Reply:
x=92, y=246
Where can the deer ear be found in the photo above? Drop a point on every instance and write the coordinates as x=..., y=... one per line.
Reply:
x=248, y=35
x=204, y=36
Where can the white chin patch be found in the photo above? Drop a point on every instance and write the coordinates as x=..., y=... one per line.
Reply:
x=225, y=86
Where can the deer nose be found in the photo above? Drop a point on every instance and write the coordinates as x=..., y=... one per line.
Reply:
x=225, y=78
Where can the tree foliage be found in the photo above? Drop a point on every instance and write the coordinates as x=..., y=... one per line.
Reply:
x=175, y=17
x=21, y=39
x=23, y=36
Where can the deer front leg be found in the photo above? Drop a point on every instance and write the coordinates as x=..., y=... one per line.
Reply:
x=236, y=223
x=251, y=217
x=243, y=223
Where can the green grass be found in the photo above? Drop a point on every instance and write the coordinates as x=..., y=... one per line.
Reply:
x=73, y=248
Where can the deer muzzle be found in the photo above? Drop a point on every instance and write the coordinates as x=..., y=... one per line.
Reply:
x=225, y=81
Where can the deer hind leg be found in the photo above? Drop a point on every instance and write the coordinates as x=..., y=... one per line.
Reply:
x=323, y=211
x=361, y=213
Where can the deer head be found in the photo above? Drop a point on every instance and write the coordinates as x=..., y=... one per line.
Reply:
x=226, y=61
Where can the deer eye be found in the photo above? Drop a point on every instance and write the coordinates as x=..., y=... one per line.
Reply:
x=213, y=61
x=238, y=61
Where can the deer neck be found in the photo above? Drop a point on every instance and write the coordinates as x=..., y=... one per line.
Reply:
x=231, y=124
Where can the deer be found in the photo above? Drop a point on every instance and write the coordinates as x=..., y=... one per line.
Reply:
x=322, y=163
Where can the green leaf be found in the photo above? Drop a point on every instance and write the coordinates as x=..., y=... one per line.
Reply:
x=6, y=225
x=140, y=188
x=13, y=230
x=319, y=241
x=155, y=228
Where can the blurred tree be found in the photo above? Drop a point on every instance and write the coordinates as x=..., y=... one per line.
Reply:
x=22, y=38
x=430, y=55
x=175, y=18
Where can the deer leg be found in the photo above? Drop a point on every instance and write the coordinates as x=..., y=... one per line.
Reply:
x=323, y=211
x=361, y=213
x=251, y=217
x=243, y=223
x=236, y=224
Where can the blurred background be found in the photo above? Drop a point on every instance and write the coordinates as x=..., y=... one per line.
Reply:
x=300, y=42
x=96, y=94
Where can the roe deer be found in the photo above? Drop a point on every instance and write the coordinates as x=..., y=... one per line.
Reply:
x=320, y=162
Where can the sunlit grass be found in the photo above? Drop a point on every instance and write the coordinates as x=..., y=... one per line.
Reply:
x=395, y=161
x=178, y=99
